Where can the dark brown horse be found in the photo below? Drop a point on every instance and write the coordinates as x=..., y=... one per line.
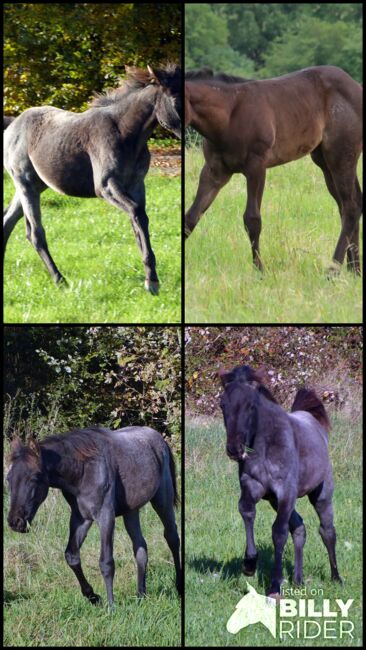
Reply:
x=249, y=126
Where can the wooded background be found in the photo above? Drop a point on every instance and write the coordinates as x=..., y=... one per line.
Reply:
x=327, y=358
x=58, y=378
x=269, y=39
x=60, y=53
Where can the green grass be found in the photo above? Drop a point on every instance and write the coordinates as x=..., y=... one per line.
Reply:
x=43, y=602
x=94, y=247
x=215, y=539
x=300, y=228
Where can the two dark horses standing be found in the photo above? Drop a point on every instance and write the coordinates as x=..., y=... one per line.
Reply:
x=249, y=126
x=102, y=474
x=101, y=152
x=281, y=456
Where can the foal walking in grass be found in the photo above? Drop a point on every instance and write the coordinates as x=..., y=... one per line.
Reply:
x=102, y=474
x=99, y=153
x=281, y=457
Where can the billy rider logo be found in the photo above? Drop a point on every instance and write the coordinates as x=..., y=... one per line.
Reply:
x=299, y=618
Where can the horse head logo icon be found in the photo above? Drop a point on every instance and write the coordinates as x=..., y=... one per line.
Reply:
x=253, y=608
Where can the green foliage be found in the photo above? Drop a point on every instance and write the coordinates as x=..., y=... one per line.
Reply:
x=274, y=38
x=206, y=41
x=314, y=42
x=64, y=377
x=60, y=53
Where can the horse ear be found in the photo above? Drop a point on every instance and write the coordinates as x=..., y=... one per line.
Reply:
x=153, y=78
x=16, y=444
x=260, y=375
x=34, y=446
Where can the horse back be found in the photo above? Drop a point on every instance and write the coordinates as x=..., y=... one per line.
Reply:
x=140, y=455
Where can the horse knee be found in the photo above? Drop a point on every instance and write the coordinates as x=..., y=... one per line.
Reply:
x=299, y=535
x=72, y=558
x=107, y=568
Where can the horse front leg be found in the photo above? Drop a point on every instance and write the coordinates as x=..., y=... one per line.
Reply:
x=251, y=493
x=78, y=530
x=210, y=183
x=106, y=521
x=255, y=174
x=134, y=204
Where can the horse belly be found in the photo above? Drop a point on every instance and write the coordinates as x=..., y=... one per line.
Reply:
x=75, y=178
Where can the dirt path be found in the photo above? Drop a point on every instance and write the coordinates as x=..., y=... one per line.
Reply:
x=166, y=160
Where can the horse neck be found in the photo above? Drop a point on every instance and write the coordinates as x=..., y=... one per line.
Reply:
x=62, y=472
x=136, y=115
x=208, y=109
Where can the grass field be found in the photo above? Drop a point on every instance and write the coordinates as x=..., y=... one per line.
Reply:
x=43, y=602
x=215, y=540
x=300, y=228
x=94, y=247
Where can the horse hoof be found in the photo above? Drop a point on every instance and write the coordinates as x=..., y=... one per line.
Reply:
x=274, y=596
x=95, y=599
x=152, y=287
x=333, y=271
x=61, y=282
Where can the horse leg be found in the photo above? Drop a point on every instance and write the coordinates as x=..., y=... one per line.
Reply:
x=210, y=183
x=29, y=194
x=321, y=499
x=318, y=159
x=134, y=204
x=251, y=493
x=132, y=523
x=12, y=214
x=106, y=521
x=78, y=530
x=162, y=502
x=280, y=531
x=255, y=174
x=344, y=176
x=298, y=533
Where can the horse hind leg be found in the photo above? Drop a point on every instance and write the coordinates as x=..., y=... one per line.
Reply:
x=321, y=499
x=352, y=249
x=29, y=195
x=12, y=214
x=298, y=533
x=132, y=524
x=162, y=502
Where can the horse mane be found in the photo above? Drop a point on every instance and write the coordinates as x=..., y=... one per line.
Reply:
x=307, y=400
x=137, y=78
x=82, y=444
x=246, y=374
x=208, y=75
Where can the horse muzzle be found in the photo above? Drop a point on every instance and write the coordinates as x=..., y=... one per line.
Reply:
x=19, y=525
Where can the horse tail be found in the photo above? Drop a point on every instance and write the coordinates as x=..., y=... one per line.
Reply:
x=173, y=475
x=7, y=119
x=307, y=400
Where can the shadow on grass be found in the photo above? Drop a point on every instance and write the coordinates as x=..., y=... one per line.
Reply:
x=11, y=597
x=234, y=567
